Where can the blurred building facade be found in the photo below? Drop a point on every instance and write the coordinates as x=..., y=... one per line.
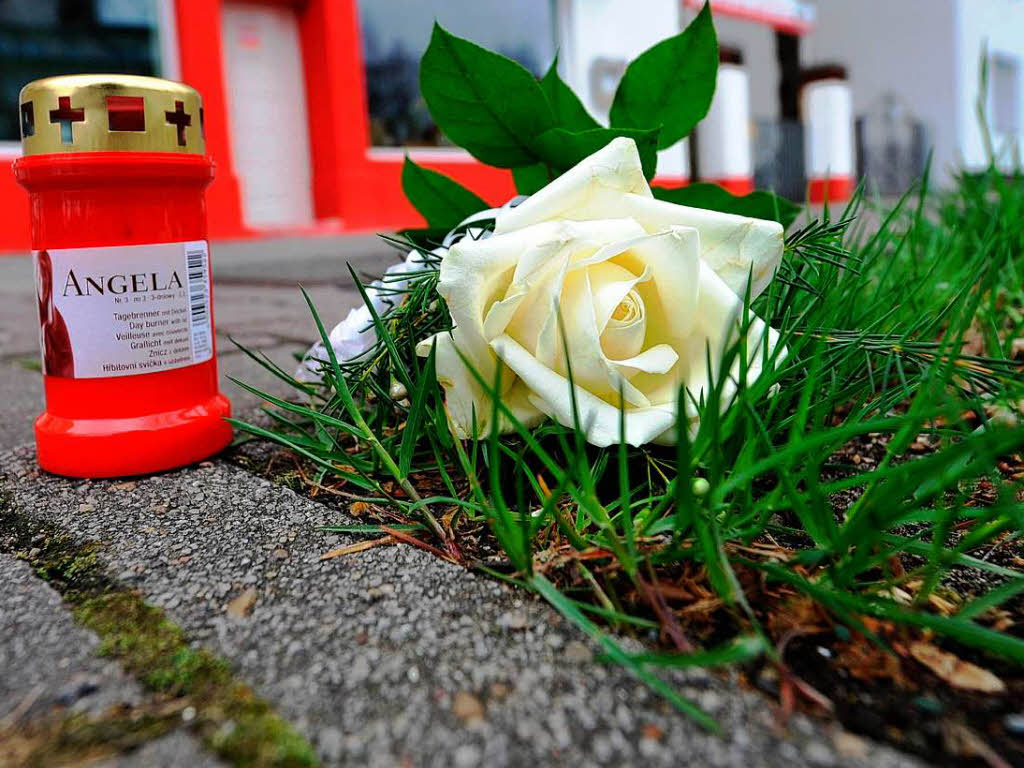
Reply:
x=913, y=68
x=311, y=105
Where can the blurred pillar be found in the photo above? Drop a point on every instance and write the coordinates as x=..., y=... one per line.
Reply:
x=827, y=107
x=787, y=52
x=723, y=143
x=202, y=66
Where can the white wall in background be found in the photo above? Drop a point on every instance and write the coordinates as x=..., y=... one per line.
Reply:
x=757, y=43
x=907, y=47
x=925, y=52
x=267, y=110
x=597, y=38
x=1001, y=23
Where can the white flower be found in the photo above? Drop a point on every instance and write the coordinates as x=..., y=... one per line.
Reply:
x=355, y=335
x=646, y=291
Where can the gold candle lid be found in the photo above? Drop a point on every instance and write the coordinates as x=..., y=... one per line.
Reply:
x=110, y=113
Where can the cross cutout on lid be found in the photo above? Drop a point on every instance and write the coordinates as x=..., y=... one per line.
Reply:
x=180, y=119
x=66, y=116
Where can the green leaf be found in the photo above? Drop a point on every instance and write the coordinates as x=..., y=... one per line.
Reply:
x=562, y=149
x=530, y=178
x=759, y=205
x=440, y=200
x=484, y=102
x=566, y=105
x=670, y=84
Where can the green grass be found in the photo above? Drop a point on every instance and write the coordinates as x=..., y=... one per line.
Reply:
x=898, y=323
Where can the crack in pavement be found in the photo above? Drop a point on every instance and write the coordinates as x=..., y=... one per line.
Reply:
x=60, y=701
x=184, y=687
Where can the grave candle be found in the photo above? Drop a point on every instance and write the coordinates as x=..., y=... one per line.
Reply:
x=116, y=170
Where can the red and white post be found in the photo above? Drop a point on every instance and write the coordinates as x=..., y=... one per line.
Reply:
x=724, y=154
x=827, y=106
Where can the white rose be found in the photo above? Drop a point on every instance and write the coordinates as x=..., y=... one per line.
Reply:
x=645, y=289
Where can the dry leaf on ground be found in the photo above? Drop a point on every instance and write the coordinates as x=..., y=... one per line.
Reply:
x=956, y=671
x=468, y=707
x=359, y=546
x=240, y=607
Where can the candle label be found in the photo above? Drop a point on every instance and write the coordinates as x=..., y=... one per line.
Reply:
x=123, y=310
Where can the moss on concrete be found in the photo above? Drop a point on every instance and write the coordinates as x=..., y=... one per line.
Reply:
x=226, y=714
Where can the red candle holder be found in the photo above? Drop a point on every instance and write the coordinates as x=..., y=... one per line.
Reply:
x=116, y=170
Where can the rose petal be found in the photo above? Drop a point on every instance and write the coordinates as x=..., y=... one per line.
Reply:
x=591, y=368
x=658, y=359
x=670, y=304
x=621, y=340
x=551, y=394
x=476, y=274
x=671, y=260
x=531, y=297
x=612, y=283
x=527, y=311
x=466, y=401
x=589, y=191
x=610, y=184
x=613, y=288
x=645, y=291
x=719, y=312
x=735, y=247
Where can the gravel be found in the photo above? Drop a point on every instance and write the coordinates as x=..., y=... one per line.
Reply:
x=391, y=656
